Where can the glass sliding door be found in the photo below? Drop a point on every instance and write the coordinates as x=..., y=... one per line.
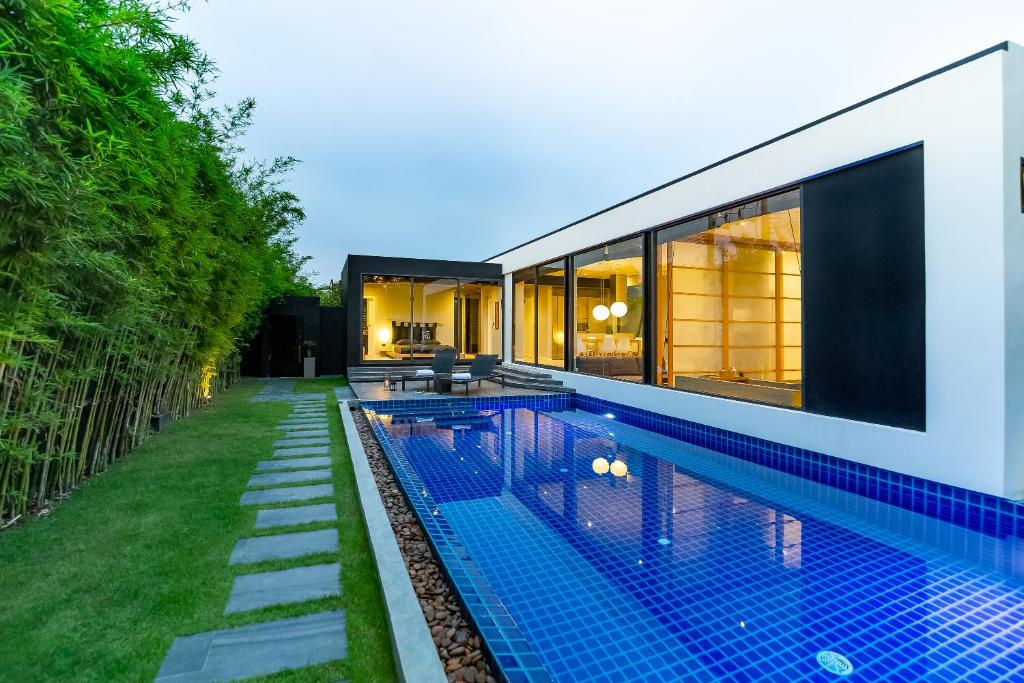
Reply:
x=609, y=313
x=433, y=316
x=551, y=314
x=479, y=318
x=387, y=310
x=728, y=309
x=524, y=311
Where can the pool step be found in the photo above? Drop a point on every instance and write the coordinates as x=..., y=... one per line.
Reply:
x=530, y=379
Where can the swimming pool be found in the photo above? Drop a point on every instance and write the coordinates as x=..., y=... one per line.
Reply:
x=588, y=549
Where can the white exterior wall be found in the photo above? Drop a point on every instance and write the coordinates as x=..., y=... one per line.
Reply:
x=973, y=234
x=1013, y=264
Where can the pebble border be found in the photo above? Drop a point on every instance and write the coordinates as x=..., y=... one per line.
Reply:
x=458, y=645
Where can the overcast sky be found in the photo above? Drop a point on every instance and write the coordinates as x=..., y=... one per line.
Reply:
x=459, y=129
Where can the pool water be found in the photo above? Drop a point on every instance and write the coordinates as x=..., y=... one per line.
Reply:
x=590, y=550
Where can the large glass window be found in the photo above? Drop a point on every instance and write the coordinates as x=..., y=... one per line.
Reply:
x=609, y=315
x=551, y=314
x=387, y=312
x=410, y=318
x=728, y=303
x=538, y=309
x=479, y=313
x=524, y=311
x=433, y=315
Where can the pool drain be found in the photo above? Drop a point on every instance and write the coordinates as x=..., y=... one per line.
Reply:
x=834, y=663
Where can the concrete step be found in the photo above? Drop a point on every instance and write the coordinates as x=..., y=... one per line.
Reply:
x=522, y=374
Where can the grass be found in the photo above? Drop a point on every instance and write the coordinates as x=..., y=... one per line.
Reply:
x=98, y=589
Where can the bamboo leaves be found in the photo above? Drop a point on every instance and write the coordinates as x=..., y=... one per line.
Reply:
x=136, y=250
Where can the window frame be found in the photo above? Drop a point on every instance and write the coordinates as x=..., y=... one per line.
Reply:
x=534, y=272
x=570, y=364
x=410, y=280
x=652, y=359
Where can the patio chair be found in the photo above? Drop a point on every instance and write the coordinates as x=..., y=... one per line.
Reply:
x=480, y=369
x=443, y=364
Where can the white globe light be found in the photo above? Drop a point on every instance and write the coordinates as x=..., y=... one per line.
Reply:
x=384, y=334
x=618, y=468
x=600, y=466
x=600, y=312
x=619, y=309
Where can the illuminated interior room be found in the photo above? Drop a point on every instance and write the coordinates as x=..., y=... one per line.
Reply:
x=609, y=311
x=430, y=305
x=538, y=305
x=728, y=302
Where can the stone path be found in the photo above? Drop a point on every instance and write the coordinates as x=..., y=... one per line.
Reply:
x=267, y=647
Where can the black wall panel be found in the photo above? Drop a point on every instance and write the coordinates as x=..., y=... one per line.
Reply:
x=331, y=355
x=864, y=292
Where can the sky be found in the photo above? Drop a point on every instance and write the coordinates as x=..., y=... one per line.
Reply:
x=457, y=130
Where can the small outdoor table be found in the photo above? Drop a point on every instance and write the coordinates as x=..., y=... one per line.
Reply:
x=404, y=377
x=443, y=383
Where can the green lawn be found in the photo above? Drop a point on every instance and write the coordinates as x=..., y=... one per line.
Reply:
x=98, y=589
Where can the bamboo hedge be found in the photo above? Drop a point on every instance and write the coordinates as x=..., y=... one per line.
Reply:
x=137, y=246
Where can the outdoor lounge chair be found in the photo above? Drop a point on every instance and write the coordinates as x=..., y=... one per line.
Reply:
x=480, y=369
x=443, y=364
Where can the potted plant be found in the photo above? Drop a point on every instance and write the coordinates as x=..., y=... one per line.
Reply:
x=309, y=362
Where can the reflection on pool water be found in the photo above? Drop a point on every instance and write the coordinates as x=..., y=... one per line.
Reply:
x=591, y=550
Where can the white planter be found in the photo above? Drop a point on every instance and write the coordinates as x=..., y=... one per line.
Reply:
x=309, y=367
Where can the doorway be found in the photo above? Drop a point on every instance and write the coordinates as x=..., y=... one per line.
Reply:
x=285, y=346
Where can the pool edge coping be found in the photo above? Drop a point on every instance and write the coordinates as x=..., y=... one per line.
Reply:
x=413, y=647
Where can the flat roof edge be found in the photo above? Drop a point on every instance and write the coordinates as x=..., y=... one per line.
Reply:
x=1003, y=46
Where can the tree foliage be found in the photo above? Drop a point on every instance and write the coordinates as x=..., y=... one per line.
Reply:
x=137, y=247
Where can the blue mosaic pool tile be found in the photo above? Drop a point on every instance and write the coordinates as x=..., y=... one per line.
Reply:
x=971, y=509
x=547, y=401
x=891, y=610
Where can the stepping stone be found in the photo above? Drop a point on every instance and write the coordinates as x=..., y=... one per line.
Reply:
x=284, y=546
x=304, y=433
x=301, y=450
x=275, y=478
x=288, y=443
x=254, y=591
x=287, y=494
x=303, y=514
x=292, y=464
x=257, y=649
x=299, y=414
x=305, y=425
x=302, y=420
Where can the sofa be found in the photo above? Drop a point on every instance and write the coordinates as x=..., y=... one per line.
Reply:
x=620, y=366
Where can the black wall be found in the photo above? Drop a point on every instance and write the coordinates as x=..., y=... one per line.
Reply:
x=277, y=349
x=357, y=265
x=331, y=357
x=864, y=292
